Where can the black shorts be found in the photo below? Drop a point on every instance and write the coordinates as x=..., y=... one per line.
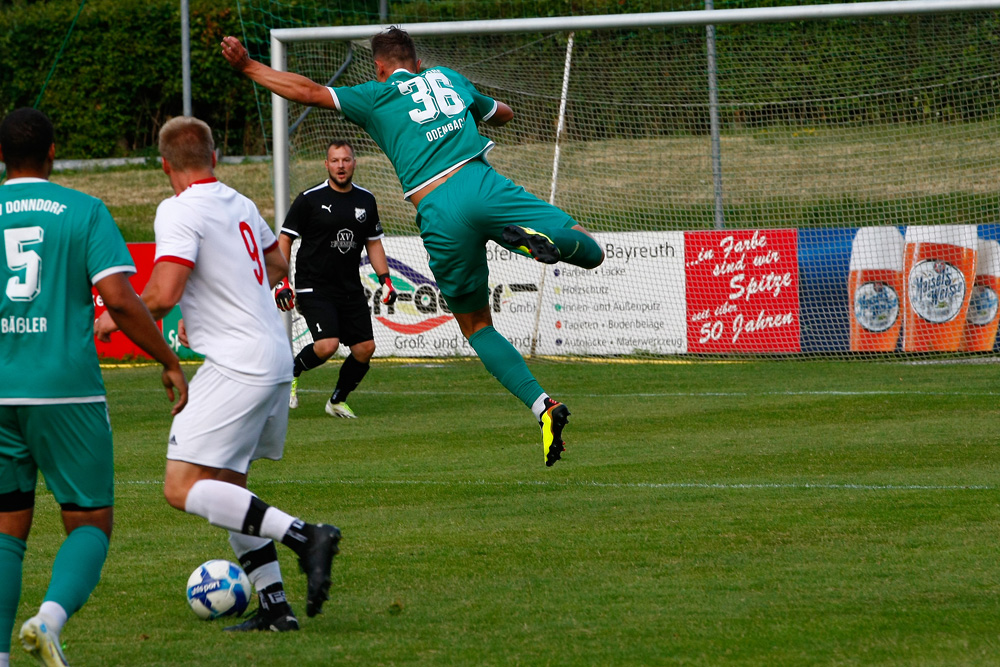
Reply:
x=350, y=321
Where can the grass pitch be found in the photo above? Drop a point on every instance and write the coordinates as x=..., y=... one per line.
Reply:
x=750, y=513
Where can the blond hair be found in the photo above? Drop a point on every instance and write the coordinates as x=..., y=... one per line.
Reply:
x=186, y=143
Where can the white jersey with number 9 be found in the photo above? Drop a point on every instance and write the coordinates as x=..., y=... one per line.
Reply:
x=228, y=309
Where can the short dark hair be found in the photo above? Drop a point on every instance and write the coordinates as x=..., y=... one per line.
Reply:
x=394, y=45
x=340, y=143
x=26, y=135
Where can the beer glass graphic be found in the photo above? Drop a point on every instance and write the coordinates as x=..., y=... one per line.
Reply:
x=984, y=304
x=875, y=288
x=939, y=269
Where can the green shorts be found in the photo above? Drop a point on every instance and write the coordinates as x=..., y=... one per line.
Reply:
x=70, y=443
x=462, y=214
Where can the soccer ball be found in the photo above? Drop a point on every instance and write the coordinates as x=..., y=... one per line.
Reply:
x=218, y=588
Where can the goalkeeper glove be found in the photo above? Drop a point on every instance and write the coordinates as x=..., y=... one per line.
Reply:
x=284, y=295
x=389, y=293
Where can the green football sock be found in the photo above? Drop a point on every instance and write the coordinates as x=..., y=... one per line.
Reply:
x=77, y=568
x=11, y=560
x=506, y=364
x=576, y=248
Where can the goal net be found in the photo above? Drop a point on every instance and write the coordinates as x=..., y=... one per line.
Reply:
x=823, y=186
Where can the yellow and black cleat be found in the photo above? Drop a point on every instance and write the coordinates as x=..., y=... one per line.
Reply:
x=534, y=244
x=553, y=421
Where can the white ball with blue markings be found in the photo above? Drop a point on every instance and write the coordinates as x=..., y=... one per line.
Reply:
x=218, y=588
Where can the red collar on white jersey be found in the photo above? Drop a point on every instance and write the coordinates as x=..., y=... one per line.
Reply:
x=205, y=180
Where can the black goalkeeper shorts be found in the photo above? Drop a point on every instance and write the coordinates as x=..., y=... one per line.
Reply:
x=350, y=321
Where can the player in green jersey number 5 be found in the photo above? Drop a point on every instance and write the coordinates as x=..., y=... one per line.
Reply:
x=53, y=414
x=425, y=120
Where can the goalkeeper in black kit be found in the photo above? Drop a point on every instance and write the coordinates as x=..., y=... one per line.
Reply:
x=333, y=221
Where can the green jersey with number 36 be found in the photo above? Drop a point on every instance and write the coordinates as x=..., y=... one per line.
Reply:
x=425, y=123
x=57, y=242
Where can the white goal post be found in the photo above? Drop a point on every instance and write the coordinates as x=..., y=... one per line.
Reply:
x=710, y=250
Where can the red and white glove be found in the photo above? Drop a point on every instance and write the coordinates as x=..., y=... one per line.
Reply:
x=284, y=296
x=388, y=292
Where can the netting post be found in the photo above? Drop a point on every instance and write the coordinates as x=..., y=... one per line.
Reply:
x=713, y=115
x=279, y=131
x=280, y=153
x=555, y=176
x=186, y=57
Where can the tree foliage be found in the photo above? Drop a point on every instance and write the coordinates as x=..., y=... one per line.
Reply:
x=119, y=77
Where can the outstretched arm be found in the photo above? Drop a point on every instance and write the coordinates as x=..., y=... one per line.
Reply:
x=294, y=87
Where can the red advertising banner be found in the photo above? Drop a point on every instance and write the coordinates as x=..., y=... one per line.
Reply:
x=742, y=290
x=120, y=346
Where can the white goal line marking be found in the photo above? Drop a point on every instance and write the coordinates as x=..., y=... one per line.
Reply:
x=642, y=394
x=692, y=394
x=737, y=486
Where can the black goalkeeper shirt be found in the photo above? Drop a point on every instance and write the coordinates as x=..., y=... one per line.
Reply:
x=333, y=228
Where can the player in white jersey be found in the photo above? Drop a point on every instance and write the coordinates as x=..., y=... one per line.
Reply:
x=217, y=257
x=228, y=310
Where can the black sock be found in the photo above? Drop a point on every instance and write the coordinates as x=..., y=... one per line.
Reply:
x=297, y=537
x=254, y=517
x=351, y=375
x=273, y=599
x=306, y=360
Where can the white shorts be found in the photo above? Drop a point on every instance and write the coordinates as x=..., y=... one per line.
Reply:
x=227, y=424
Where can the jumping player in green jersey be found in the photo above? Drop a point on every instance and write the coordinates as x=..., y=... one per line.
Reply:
x=53, y=414
x=425, y=120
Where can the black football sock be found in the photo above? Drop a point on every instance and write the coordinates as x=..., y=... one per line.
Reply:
x=351, y=374
x=306, y=360
x=273, y=600
x=298, y=536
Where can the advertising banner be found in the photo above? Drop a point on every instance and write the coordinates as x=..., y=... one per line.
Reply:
x=120, y=346
x=854, y=287
x=420, y=324
x=574, y=311
x=742, y=291
x=751, y=291
x=634, y=302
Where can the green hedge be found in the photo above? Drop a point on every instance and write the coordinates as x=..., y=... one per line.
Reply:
x=119, y=77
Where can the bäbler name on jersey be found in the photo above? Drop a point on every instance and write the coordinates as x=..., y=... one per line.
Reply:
x=438, y=132
x=23, y=325
x=27, y=205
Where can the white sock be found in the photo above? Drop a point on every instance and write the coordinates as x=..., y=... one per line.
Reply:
x=4, y=659
x=538, y=407
x=55, y=614
x=264, y=575
x=275, y=524
x=244, y=544
x=223, y=504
